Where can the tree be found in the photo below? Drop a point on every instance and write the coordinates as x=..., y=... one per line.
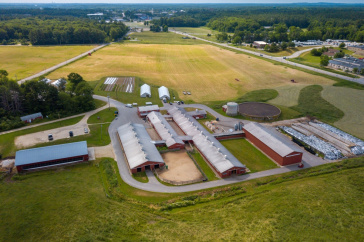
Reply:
x=273, y=47
x=222, y=37
x=237, y=40
x=342, y=45
x=355, y=70
x=165, y=28
x=208, y=35
x=362, y=72
x=339, y=54
x=316, y=52
x=74, y=79
x=284, y=45
x=291, y=44
x=324, y=60
x=62, y=84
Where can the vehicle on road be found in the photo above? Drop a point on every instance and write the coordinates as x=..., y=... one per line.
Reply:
x=128, y=105
x=50, y=137
x=71, y=134
x=170, y=103
x=85, y=130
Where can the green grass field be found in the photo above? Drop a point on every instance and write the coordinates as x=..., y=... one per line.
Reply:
x=207, y=71
x=323, y=203
x=105, y=116
x=7, y=146
x=310, y=102
x=248, y=155
x=288, y=95
x=24, y=61
x=351, y=102
x=210, y=174
x=148, y=37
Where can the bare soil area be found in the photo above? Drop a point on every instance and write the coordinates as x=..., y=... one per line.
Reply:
x=104, y=151
x=180, y=167
x=153, y=134
x=176, y=128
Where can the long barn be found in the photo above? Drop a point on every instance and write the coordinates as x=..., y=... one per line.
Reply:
x=51, y=156
x=140, y=153
x=165, y=131
x=280, y=150
x=220, y=159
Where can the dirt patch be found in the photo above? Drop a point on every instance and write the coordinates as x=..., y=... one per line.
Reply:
x=176, y=128
x=104, y=151
x=180, y=167
x=153, y=134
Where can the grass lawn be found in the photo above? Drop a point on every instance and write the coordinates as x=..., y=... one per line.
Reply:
x=141, y=176
x=200, y=32
x=287, y=52
x=210, y=174
x=88, y=202
x=288, y=95
x=207, y=71
x=99, y=103
x=106, y=115
x=314, y=61
x=7, y=146
x=24, y=61
x=248, y=155
x=148, y=37
x=351, y=102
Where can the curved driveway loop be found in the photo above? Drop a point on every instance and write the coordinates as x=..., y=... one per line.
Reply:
x=130, y=115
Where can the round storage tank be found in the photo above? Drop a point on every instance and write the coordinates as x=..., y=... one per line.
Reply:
x=232, y=109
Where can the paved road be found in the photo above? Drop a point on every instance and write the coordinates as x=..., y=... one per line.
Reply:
x=279, y=59
x=61, y=64
x=87, y=114
x=130, y=115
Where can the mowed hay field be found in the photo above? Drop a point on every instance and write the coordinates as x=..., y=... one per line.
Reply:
x=24, y=61
x=207, y=71
x=351, y=102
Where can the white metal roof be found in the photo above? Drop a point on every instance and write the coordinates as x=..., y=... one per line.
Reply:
x=145, y=89
x=271, y=139
x=137, y=144
x=148, y=108
x=164, y=129
x=48, y=153
x=260, y=42
x=163, y=92
x=209, y=146
x=31, y=116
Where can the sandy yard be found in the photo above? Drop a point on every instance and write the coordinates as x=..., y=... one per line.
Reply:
x=176, y=128
x=180, y=167
x=153, y=134
x=104, y=151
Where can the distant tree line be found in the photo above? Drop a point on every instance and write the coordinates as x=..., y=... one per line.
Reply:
x=37, y=96
x=59, y=30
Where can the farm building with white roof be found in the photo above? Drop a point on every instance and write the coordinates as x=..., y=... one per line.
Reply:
x=283, y=151
x=165, y=131
x=51, y=156
x=140, y=152
x=145, y=91
x=144, y=110
x=222, y=161
x=163, y=93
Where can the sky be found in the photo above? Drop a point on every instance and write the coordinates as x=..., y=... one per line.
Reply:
x=179, y=1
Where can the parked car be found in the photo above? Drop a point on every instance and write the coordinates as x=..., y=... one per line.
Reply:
x=86, y=130
x=50, y=137
x=128, y=105
x=182, y=102
x=71, y=134
x=170, y=103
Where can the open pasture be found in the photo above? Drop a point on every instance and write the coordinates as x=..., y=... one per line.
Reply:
x=209, y=71
x=351, y=102
x=24, y=61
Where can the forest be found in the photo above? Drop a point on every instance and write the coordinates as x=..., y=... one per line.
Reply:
x=276, y=24
x=42, y=30
x=73, y=96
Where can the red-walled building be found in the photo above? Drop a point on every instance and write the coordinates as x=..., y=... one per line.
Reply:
x=51, y=156
x=283, y=151
x=165, y=131
x=31, y=117
x=140, y=153
x=143, y=111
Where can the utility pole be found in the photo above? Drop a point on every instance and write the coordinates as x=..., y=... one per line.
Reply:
x=101, y=133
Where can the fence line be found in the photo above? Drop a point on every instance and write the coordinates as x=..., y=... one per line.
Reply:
x=175, y=182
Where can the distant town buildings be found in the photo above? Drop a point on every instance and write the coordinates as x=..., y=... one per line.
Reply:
x=259, y=44
x=347, y=63
x=358, y=49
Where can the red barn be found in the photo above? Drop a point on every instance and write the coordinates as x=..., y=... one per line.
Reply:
x=165, y=131
x=31, y=117
x=283, y=151
x=144, y=110
x=51, y=156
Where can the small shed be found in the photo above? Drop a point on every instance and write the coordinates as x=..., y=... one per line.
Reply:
x=145, y=91
x=144, y=110
x=31, y=117
x=163, y=93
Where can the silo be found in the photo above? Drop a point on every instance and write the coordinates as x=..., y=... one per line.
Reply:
x=232, y=109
